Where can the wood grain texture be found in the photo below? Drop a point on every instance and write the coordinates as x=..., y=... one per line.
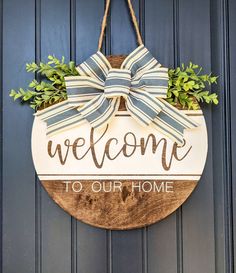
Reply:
x=126, y=209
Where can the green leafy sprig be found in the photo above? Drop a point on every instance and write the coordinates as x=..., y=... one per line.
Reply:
x=51, y=89
x=187, y=85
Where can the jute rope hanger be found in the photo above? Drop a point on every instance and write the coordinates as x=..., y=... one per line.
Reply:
x=104, y=23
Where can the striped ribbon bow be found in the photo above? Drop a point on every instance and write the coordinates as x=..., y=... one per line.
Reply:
x=95, y=95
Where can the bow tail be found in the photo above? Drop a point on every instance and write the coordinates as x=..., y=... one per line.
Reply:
x=143, y=107
x=63, y=116
x=157, y=113
x=100, y=110
x=60, y=117
x=172, y=123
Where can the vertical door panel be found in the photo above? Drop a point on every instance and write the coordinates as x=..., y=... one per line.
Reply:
x=159, y=30
x=232, y=79
x=121, y=32
x=53, y=222
x=198, y=217
x=18, y=172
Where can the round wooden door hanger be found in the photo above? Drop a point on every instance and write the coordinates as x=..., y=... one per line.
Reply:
x=122, y=176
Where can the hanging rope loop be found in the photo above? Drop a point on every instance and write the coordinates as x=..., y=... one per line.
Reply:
x=104, y=23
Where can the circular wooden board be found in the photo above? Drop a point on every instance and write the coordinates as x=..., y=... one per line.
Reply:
x=143, y=198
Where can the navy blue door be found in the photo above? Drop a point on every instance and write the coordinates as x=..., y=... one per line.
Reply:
x=38, y=236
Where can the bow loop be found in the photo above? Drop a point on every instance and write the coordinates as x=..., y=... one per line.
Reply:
x=82, y=89
x=97, y=66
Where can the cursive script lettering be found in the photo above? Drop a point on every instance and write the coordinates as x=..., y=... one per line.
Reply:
x=114, y=148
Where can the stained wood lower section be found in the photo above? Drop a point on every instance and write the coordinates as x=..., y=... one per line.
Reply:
x=125, y=209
